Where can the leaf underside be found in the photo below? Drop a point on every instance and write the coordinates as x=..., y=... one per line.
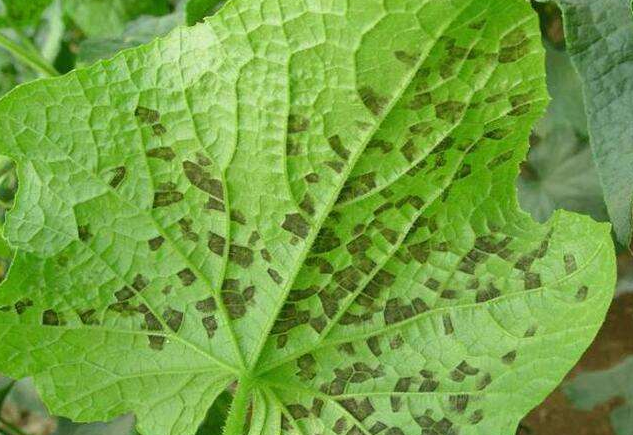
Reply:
x=314, y=199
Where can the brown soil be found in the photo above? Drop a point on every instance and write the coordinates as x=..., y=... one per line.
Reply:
x=556, y=416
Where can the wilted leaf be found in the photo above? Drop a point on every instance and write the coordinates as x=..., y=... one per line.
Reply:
x=315, y=200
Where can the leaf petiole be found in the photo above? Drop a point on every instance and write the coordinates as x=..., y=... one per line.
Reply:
x=239, y=408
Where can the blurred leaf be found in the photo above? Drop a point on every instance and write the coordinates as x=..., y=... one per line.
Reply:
x=600, y=41
x=137, y=32
x=588, y=390
x=197, y=10
x=25, y=12
x=120, y=426
x=563, y=83
x=8, y=73
x=107, y=18
x=50, y=31
x=5, y=390
x=560, y=172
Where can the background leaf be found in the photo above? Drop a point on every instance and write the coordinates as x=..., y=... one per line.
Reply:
x=24, y=12
x=197, y=10
x=139, y=31
x=107, y=18
x=600, y=42
x=588, y=390
x=560, y=171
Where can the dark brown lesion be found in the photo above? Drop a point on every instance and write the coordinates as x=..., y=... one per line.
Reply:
x=22, y=305
x=117, y=177
x=163, y=153
x=235, y=300
x=337, y=145
x=52, y=318
x=210, y=325
x=156, y=243
x=296, y=224
x=185, y=225
x=187, y=277
x=83, y=231
x=241, y=255
x=374, y=102
x=297, y=123
x=173, y=318
x=146, y=115
x=203, y=180
x=166, y=198
x=216, y=243
x=87, y=316
x=357, y=186
x=360, y=409
x=159, y=129
x=570, y=263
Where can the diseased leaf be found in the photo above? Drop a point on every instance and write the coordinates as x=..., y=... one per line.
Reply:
x=313, y=200
x=589, y=390
x=107, y=18
x=600, y=41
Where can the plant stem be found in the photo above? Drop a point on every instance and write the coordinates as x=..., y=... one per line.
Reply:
x=28, y=57
x=239, y=408
x=11, y=428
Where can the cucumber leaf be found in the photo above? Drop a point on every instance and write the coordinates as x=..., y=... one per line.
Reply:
x=312, y=202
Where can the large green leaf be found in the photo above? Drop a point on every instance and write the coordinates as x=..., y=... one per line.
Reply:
x=600, y=40
x=314, y=200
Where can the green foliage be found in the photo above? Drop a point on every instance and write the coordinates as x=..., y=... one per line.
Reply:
x=600, y=41
x=107, y=18
x=197, y=10
x=589, y=390
x=560, y=171
x=140, y=31
x=296, y=197
x=24, y=12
